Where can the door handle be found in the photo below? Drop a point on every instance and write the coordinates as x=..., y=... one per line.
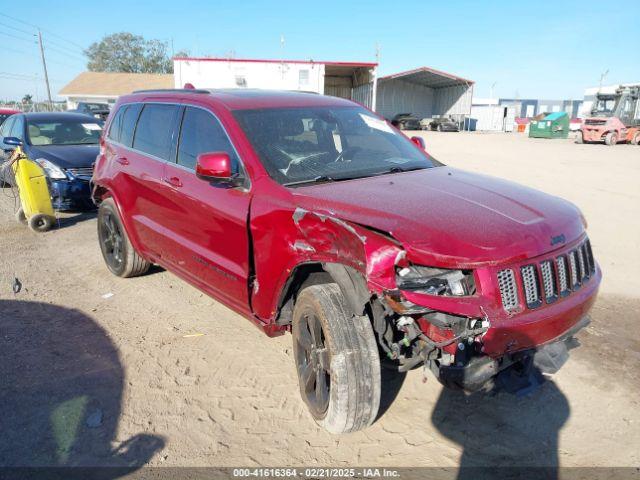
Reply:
x=122, y=160
x=173, y=181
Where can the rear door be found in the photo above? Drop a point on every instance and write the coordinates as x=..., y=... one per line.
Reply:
x=147, y=132
x=208, y=221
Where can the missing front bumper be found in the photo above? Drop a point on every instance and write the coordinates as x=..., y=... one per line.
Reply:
x=517, y=372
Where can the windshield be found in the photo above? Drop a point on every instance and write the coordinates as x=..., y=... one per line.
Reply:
x=64, y=132
x=96, y=107
x=305, y=145
x=604, y=106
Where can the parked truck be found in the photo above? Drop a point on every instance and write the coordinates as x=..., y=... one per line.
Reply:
x=614, y=118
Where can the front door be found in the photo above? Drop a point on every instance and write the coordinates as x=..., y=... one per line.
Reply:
x=208, y=222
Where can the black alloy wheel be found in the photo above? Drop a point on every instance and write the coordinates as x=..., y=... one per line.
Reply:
x=314, y=367
x=112, y=241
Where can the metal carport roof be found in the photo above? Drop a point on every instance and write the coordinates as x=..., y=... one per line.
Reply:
x=428, y=77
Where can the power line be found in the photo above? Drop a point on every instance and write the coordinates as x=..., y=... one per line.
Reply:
x=18, y=74
x=19, y=38
x=43, y=29
x=49, y=48
x=15, y=28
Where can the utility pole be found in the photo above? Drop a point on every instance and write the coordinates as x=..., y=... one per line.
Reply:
x=44, y=67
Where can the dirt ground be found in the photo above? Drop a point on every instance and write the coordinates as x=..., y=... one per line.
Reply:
x=97, y=370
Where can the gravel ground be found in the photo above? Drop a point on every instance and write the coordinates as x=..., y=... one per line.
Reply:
x=98, y=370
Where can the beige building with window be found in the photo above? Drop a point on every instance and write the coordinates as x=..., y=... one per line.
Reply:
x=106, y=87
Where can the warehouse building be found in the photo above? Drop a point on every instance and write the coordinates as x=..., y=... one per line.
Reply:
x=351, y=80
x=530, y=107
x=426, y=93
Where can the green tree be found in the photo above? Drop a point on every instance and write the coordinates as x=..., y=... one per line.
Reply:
x=28, y=98
x=126, y=52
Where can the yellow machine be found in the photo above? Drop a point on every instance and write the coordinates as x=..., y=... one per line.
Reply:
x=35, y=200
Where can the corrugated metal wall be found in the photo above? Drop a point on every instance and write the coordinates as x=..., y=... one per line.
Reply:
x=453, y=101
x=363, y=94
x=397, y=96
x=337, y=86
x=357, y=87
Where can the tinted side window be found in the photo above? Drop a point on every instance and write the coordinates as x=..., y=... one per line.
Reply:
x=17, y=130
x=201, y=132
x=128, y=123
x=153, y=133
x=114, y=128
x=5, y=131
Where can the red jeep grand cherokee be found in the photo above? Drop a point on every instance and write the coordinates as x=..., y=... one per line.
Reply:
x=311, y=214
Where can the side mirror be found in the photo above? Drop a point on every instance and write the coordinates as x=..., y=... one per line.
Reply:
x=13, y=141
x=419, y=141
x=214, y=166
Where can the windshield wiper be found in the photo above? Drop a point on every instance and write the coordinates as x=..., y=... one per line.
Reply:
x=398, y=170
x=318, y=179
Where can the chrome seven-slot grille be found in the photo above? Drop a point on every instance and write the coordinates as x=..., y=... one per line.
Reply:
x=81, y=171
x=547, y=280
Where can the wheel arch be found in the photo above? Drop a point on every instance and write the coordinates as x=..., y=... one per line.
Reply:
x=352, y=283
x=103, y=192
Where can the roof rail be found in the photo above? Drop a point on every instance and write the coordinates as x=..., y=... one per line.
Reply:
x=172, y=90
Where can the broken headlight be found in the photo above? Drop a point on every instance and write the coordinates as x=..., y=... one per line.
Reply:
x=436, y=281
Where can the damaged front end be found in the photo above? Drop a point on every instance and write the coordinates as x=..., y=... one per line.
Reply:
x=454, y=323
x=451, y=318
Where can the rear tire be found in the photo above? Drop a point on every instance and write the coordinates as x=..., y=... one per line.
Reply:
x=580, y=138
x=636, y=139
x=40, y=222
x=337, y=360
x=117, y=250
x=611, y=139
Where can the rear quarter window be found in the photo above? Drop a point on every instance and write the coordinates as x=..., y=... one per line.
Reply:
x=153, y=132
x=128, y=123
x=116, y=123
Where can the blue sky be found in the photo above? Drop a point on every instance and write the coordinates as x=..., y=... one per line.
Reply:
x=539, y=49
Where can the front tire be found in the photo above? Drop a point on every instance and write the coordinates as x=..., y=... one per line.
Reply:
x=580, y=137
x=636, y=139
x=337, y=360
x=117, y=250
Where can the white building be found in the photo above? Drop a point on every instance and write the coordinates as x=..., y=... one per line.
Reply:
x=487, y=115
x=352, y=80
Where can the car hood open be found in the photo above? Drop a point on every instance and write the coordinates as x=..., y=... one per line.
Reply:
x=66, y=156
x=449, y=216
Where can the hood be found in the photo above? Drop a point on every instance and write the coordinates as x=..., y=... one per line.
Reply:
x=66, y=156
x=449, y=216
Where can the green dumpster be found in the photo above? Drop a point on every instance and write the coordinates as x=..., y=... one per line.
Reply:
x=554, y=125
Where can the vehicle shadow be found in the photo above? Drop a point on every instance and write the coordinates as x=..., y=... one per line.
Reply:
x=391, y=382
x=504, y=435
x=74, y=217
x=60, y=393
